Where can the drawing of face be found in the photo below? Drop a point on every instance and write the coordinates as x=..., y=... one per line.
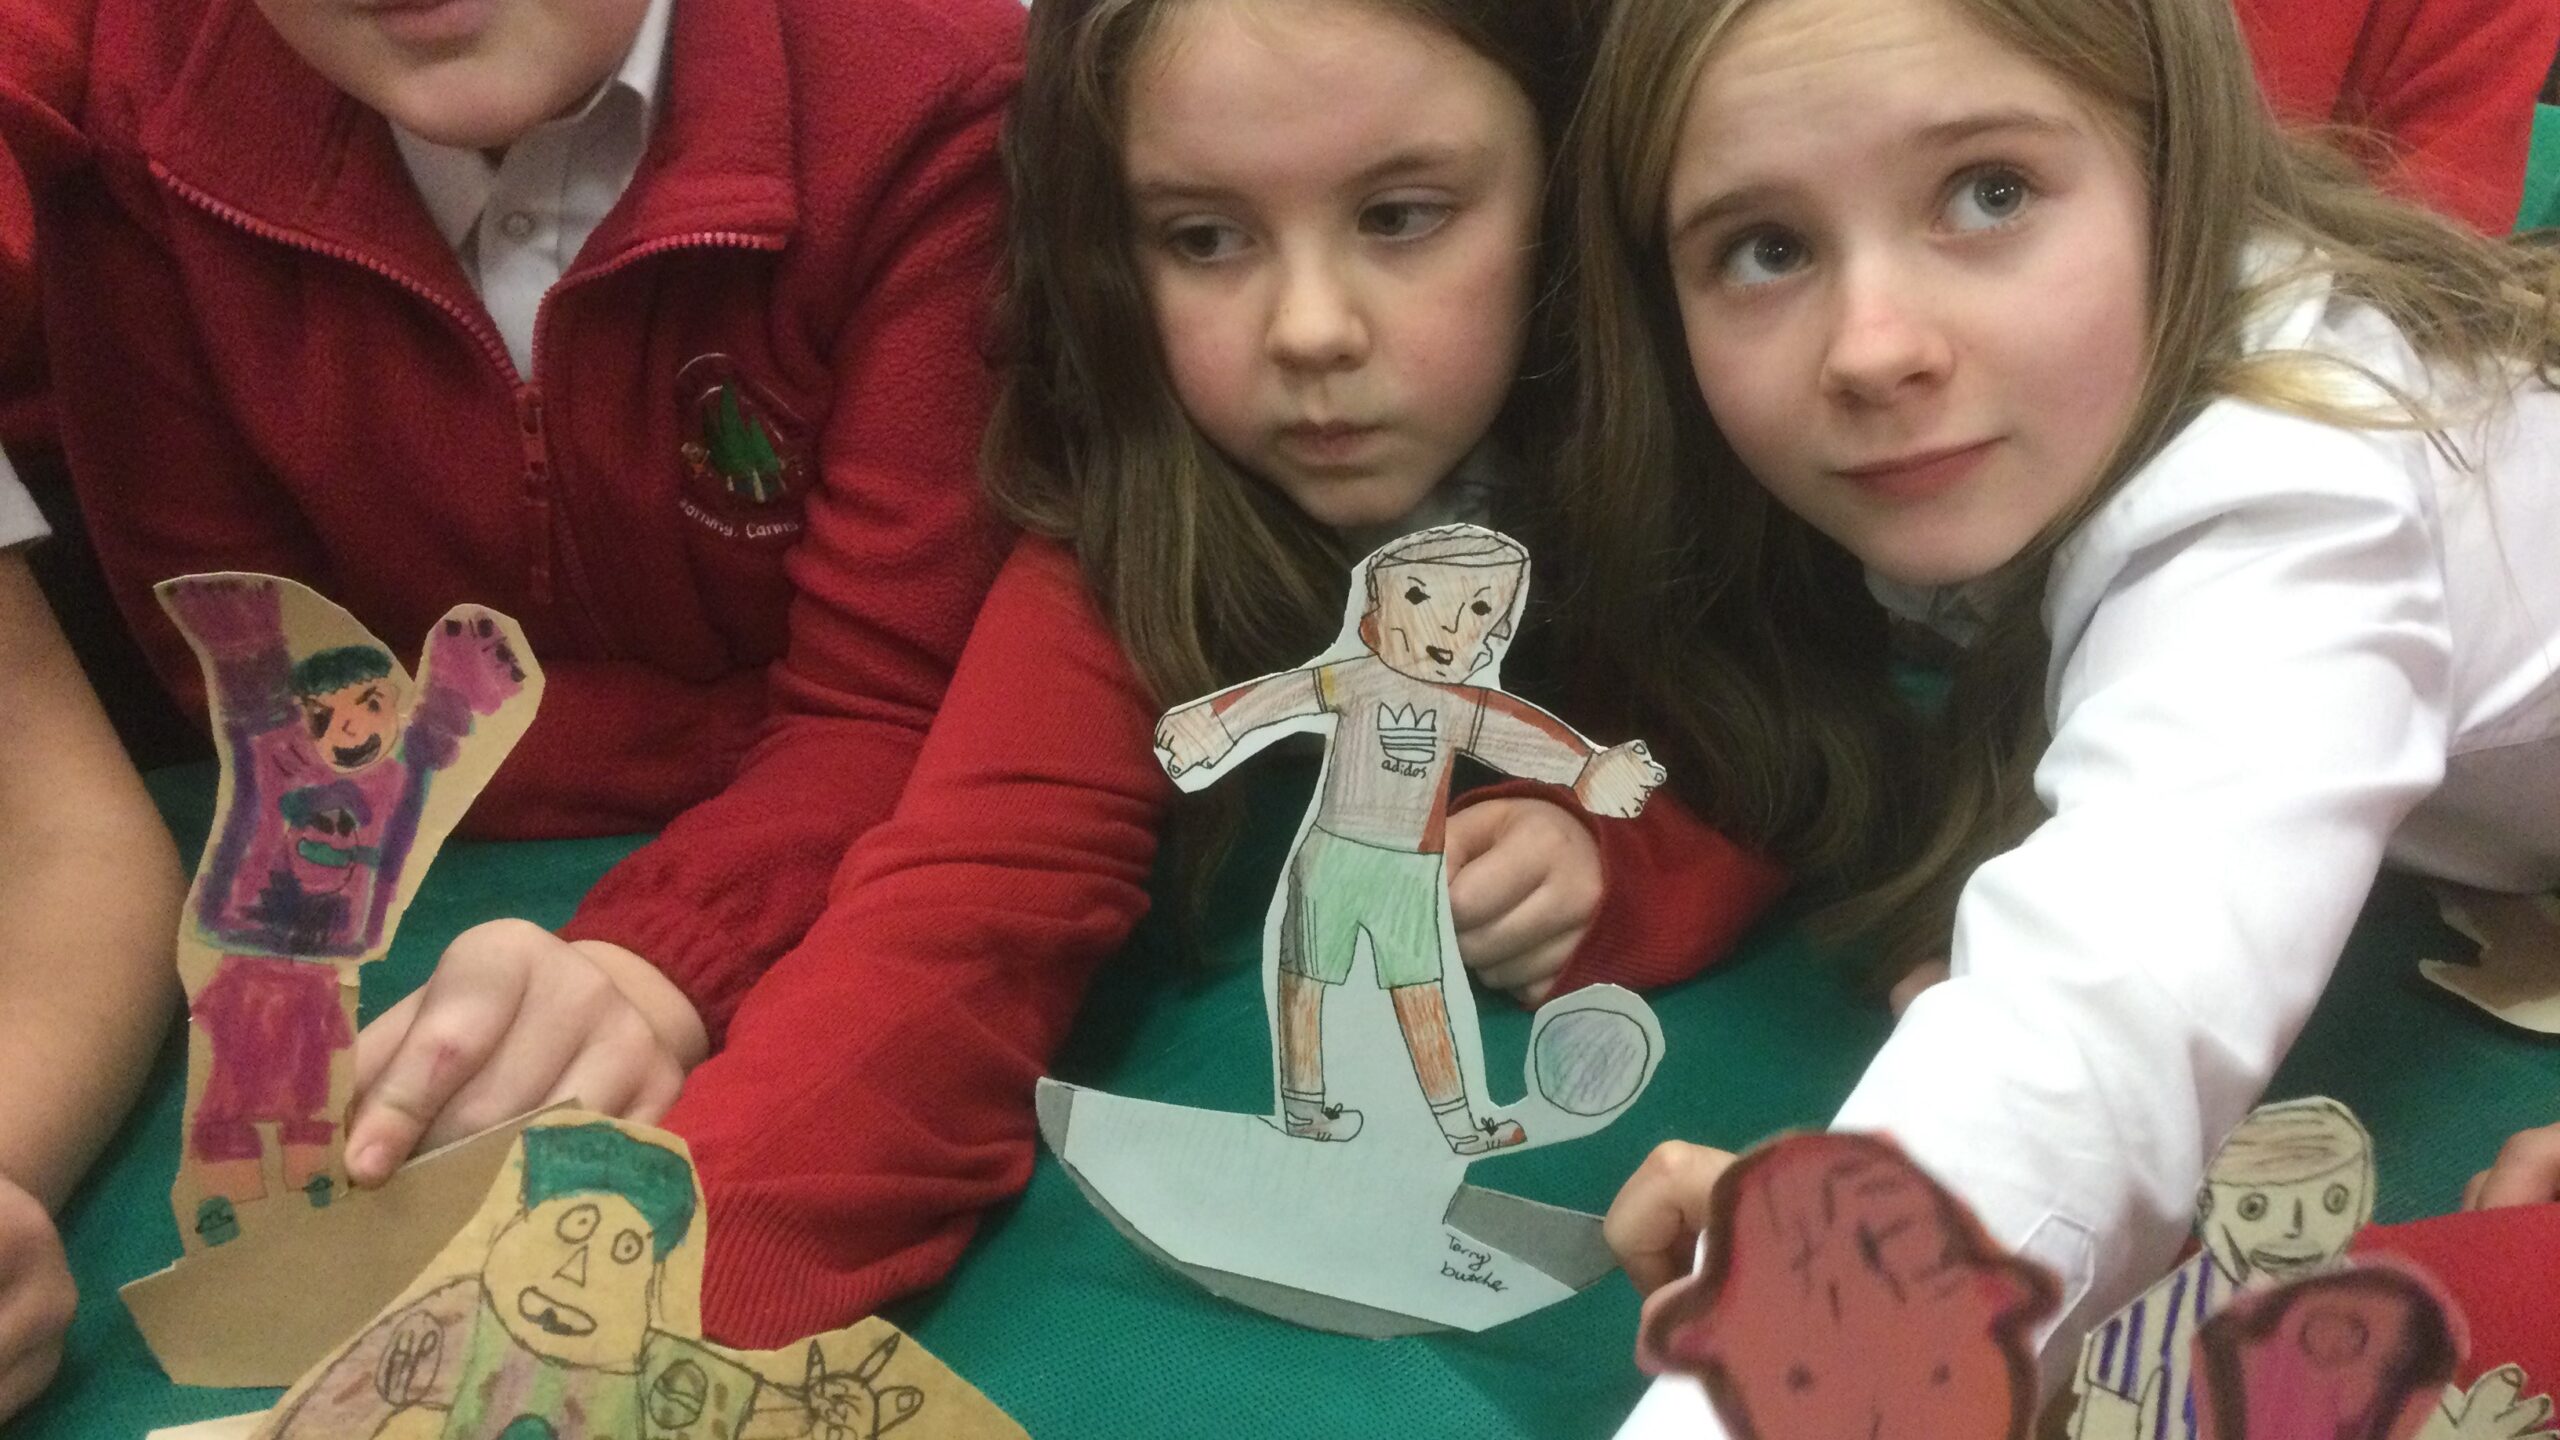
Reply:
x=2287, y=1192
x=1335, y=213
x=1918, y=308
x=1435, y=621
x=354, y=725
x=2261, y=1233
x=570, y=1280
x=1848, y=1295
x=2357, y=1354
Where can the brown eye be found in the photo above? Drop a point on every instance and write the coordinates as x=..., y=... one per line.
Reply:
x=1481, y=608
x=1415, y=594
x=627, y=1246
x=579, y=1223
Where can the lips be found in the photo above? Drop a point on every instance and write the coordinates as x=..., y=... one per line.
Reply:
x=1918, y=474
x=431, y=22
x=1440, y=656
x=1330, y=442
x=348, y=757
x=552, y=1316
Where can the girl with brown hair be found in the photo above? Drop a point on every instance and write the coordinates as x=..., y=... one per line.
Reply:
x=2226, y=477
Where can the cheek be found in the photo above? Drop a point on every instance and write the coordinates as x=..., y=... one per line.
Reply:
x=1208, y=354
x=1467, y=326
x=2081, y=354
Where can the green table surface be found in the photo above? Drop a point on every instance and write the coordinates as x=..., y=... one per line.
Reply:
x=1078, y=1335
x=2542, y=173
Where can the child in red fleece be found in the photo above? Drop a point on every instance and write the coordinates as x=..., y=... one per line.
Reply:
x=652, y=323
x=1245, y=355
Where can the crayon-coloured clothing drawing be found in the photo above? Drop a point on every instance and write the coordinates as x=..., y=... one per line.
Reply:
x=1388, y=783
x=1340, y=888
x=274, y=1025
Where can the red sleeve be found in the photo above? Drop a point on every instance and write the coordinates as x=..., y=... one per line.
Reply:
x=1676, y=894
x=888, y=577
x=2449, y=86
x=43, y=66
x=876, y=1091
x=2502, y=1268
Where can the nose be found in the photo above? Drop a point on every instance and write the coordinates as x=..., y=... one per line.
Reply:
x=1317, y=321
x=1885, y=341
x=2296, y=1228
x=575, y=1270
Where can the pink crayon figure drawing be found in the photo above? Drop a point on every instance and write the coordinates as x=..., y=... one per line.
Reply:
x=340, y=780
x=1846, y=1293
x=1440, y=607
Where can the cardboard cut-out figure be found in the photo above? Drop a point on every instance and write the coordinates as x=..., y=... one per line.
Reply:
x=2280, y=1201
x=1846, y=1293
x=1413, y=685
x=569, y=1308
x=2361, y=1354
x=340, y=779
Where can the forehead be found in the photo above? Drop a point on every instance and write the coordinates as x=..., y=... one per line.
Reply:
x=1307, y=95
x=616, y=1209
x=1801, y=89
x=349, y=694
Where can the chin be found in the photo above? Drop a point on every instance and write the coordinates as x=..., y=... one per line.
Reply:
x=465, y=113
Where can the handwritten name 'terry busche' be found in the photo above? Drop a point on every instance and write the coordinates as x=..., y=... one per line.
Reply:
x=1475, y=1272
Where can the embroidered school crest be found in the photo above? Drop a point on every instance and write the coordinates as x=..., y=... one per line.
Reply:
x=1411, y=740
x=744, y=454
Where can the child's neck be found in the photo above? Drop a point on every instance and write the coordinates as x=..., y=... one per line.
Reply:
x=1464, y=495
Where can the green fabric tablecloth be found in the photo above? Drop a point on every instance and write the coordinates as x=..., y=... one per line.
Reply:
x=1078, y=1335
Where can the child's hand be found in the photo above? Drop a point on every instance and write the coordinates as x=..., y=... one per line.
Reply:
x=1654, y=1224
x=1191, y=737
x=36, y=1297
x=1617, y=781
x=2527, y=1172
x=1524, y=882
x=514, y=1018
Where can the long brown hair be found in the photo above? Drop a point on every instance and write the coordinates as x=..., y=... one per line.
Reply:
x=1910, y=821
x=1207, y=574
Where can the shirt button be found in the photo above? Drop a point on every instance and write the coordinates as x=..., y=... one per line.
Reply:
x=516, y=226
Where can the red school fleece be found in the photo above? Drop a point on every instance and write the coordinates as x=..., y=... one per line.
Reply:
x=967, y=926
x=2449, y=86
x=264, y=357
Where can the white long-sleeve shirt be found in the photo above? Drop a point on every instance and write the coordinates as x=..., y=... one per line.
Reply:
x=2283, y=652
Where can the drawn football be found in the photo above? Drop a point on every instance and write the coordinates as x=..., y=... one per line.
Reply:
x=1591, y=1061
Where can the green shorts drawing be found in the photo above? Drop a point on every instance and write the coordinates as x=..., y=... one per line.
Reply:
x=1338, y=888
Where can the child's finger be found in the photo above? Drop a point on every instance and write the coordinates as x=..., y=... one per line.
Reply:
x=453, y=1034
x=1654, y=1224
x=1533, y=969
x=1492, y=885
x=2527, y=1171
x=377, y=1042
x=520, y=1074
x=610, y=1074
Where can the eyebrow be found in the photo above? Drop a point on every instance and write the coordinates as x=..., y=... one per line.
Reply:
x=1418, y=159
x=1944, y=135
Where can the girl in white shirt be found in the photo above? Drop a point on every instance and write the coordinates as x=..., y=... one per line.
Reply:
x=2237, y=483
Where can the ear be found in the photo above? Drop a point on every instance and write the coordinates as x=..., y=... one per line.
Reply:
x=898, y=1405
x=878, y=1360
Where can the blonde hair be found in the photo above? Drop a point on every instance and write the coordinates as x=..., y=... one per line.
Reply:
x=2173, y=76
x=2291, y=1141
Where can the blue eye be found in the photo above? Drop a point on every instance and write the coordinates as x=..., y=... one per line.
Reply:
x=1764, y=256
x=1403, y=219
x=1988, y=198
x=1204, y=242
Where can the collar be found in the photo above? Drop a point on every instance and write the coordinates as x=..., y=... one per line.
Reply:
x=251, y=131
x=1464, y=495
x=456, y=182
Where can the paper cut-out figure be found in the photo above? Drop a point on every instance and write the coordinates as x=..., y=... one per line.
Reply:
x=2516, y=973
x=1846, y=1293
x=2280, y=1201
x=569, y=1309
x=340, y=780
x=2496, y=1407
x=2358, y=1354
x=1416, y=690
